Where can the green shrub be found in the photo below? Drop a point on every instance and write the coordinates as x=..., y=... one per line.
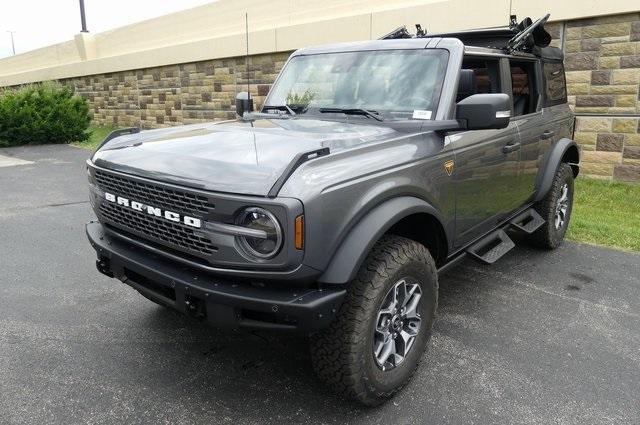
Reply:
x=42, y=113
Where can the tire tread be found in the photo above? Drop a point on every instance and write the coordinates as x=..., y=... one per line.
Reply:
x=334, y=351
x=545, y=237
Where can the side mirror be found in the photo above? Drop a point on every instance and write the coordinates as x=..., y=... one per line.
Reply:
x=244, y=103
x=484, y=111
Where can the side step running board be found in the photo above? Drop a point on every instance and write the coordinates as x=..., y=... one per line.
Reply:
x=493, y=246
x=528, y=221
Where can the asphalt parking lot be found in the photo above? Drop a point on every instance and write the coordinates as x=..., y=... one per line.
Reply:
x=537, y=338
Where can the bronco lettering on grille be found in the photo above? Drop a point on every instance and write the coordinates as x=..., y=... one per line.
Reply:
x=151, y=210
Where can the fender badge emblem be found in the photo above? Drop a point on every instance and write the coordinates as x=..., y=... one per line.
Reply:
x=448, y=166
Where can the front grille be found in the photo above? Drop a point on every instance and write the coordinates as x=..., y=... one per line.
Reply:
x=158, y=196
x=175, y=234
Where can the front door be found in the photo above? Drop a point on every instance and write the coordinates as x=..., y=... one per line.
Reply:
x=485, y=171
x=486, y=161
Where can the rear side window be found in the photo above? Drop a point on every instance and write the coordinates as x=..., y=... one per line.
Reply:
x=554, y=83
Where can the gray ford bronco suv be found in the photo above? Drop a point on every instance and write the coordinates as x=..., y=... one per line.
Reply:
x=370, y=168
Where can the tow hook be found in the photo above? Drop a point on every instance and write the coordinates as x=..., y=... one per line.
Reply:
x=104, y=266
x=195, y=307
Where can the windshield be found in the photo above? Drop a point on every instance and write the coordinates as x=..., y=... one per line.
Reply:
x=393, y=83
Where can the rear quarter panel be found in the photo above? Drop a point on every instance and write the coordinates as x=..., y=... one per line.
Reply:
x=560, y=119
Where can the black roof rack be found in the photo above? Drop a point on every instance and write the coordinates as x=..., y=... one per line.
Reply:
x=526, y=36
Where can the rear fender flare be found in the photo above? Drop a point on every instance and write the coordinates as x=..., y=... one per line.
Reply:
x=353, y=250
x=554, y=158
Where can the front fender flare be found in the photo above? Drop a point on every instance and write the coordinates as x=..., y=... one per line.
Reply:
x=554, y=158
x=350, y=255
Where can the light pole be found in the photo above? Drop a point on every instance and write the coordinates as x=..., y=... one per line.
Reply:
x=13, y=46
x=83, y=19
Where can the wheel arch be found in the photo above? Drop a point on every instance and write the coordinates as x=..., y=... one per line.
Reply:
x=405, y=216
x=564, y=151
x=572, y=157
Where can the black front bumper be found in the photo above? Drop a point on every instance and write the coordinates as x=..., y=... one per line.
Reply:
x=223, y=303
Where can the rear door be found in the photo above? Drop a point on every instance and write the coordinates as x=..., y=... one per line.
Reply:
x=558, y=122
x=486, y=161
x=533, y=126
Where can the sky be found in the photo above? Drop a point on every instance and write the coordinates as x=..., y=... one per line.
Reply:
x=39, y=23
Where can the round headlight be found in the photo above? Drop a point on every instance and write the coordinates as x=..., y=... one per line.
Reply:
x=256, y=218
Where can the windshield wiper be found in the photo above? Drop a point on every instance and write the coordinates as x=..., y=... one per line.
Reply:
x=354, y=111
x=284, y=108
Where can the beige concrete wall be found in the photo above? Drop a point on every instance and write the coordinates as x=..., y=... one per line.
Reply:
x=57, y=54
x=216, y=30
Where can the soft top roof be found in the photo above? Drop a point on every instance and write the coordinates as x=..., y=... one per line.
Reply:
x=518, y=39
x=524, y=37
x=497, y=38
x=431, y=41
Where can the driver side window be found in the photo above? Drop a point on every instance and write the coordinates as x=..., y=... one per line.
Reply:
x=478, y=76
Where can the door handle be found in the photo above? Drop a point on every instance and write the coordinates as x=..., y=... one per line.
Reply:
x=547, y=134
x=511, y=147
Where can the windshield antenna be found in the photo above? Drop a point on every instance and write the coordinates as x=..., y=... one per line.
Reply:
x=246, y=60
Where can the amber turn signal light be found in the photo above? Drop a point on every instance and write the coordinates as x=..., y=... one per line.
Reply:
x=299, y=236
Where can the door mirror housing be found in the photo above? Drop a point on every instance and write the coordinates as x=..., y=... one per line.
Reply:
x=484, y=111
x=244, y=103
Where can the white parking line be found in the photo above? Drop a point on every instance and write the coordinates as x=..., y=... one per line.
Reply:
x=9, y=161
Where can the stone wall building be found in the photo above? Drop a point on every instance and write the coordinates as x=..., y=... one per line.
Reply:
x=602, y=62
x=179, y=83
x=177, y=94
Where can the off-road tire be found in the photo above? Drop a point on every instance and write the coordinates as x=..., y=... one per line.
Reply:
x=343, y=355
x=547, y=236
